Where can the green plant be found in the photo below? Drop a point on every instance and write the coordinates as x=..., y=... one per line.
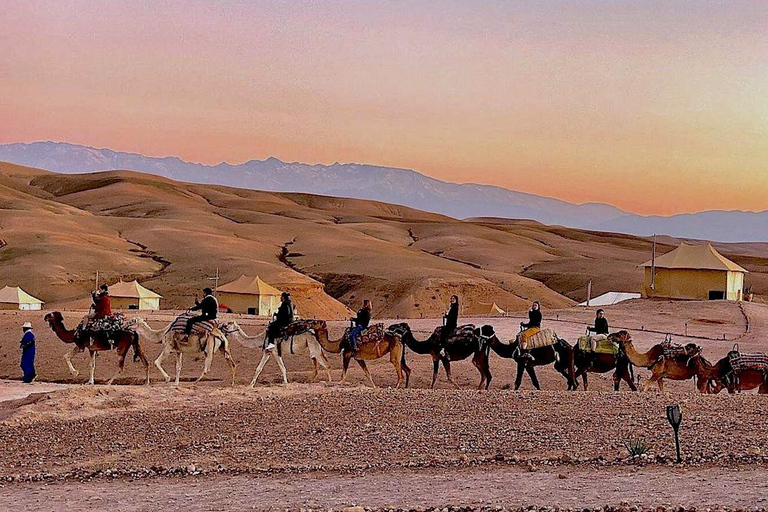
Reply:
x=636, y=447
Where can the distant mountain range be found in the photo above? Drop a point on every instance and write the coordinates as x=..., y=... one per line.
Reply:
x=393, y=185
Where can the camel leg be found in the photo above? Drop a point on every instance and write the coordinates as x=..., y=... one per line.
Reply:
x=326, y=365
x=435, y=369
x=143, y=356
x=532, y=375
x=396, y=358
x=159, y=361
x=120, y=366
x=68, y=358
x=281, y=365
x=367, y=372
x=519, y=376
x=345, y=369
x=562, y=369
x=655, y=379
x=481, y=363
x=628, y=379
x=265, y=355
x=407, y=371
x=447, y=366
x=232, y=365
x=210, y=349
x=315, y=374
x=91, y=381
x=179, y=357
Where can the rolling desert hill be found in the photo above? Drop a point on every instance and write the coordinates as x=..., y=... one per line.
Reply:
x=393, y=185
x=57, y=230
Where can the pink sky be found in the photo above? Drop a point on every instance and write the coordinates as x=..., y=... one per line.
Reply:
x=656, y=107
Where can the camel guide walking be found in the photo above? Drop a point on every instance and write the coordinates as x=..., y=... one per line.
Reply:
x=28, y=353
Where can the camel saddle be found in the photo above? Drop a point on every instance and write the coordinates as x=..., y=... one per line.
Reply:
x=201, y=329
x=670, y=350
x=603, y=345
x=107, y=325
x=536, y=338
x=373, y=334
x=462, y=331
x=740, y=362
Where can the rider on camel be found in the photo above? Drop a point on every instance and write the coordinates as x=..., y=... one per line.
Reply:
x=282, y=318
x=208, y=307
x=101, y=304
x=451, y=321
x=600, y=329
x=361, y=322
x=534, y=322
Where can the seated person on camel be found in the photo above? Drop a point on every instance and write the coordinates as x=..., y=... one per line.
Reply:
x=534, y=322
x=360, y=322
x=282, y=318
x=208, y=307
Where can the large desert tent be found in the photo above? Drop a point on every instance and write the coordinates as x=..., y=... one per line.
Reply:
x=132, y=295
x=13, y=297
x=610, y=298
x=485, y=309
x=249, y=295
x=696, y=272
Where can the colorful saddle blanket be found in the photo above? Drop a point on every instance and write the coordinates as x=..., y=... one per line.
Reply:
x=203, y=328
x=461, y=331
x=671, y=350
x=109, y=324
x=740, y=362
x=536, y=338
x=373, y=334
x=603, y=345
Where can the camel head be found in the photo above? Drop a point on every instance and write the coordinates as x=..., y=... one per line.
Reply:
x=54, y=318
x=230, y=328
x=400, y=329
x=622, y=338
x=135, y=322
x=301, y=326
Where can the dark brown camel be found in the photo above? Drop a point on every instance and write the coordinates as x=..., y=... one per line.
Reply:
x=561, y=354
x=586, y=362
x=466, y=340
x=95, y=342
x=710, y=377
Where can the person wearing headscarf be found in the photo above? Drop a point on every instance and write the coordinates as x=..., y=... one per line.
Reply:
x=28, y=353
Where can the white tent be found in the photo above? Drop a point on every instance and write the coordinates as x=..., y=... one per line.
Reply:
x=611, y=298
x=13, y=297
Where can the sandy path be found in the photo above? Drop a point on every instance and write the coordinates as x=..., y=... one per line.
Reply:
x=16, y=390
x=403, y=488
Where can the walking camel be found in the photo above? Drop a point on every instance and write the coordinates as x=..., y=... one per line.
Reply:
x=586, y=362
x=560, y=353
x=96, y=342
x=390, y=343
x=721, y=375
x=175, y=342
x=661, y=363
x=297, y=342
x=465, y=341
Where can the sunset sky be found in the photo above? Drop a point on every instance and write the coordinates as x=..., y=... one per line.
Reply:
x=656, y=107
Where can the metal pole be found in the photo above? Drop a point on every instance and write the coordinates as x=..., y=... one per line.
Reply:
x=589, y=291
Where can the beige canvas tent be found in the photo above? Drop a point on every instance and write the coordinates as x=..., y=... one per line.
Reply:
x=13, y=297
x=696, y=272
x=132, y=295
x=485, y=309
x=249, y=295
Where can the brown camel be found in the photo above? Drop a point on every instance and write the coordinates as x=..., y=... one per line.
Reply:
x=661, y=366
x=587, y=362
x=710, y=377
x=561, y=354
x=466, y=340
x=95, y=342
x=390, y=344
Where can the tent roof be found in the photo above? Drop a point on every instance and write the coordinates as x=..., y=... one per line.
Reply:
x=132, y=290
x=484, y=308
x=249, y=285
x=15, y=295
x=610, y=298
x=695, y=257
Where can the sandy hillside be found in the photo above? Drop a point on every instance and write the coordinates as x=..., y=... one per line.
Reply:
x=56, y=231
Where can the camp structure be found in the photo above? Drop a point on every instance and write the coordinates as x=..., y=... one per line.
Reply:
x=610, y=298
x=485, y=309
x=249, y=295
x=696, y=272
x=132, y=295
x=13, y=297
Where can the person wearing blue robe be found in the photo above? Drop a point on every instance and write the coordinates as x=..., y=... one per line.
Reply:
x=28, y=353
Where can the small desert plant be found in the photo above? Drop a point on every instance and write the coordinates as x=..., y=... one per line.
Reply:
x=636, y=447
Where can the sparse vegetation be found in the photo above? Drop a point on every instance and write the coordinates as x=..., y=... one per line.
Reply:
x=636, y=447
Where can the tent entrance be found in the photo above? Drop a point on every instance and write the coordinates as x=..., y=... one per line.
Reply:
x=716, y=295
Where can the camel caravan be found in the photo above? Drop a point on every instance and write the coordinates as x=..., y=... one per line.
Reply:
x=598, y=351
